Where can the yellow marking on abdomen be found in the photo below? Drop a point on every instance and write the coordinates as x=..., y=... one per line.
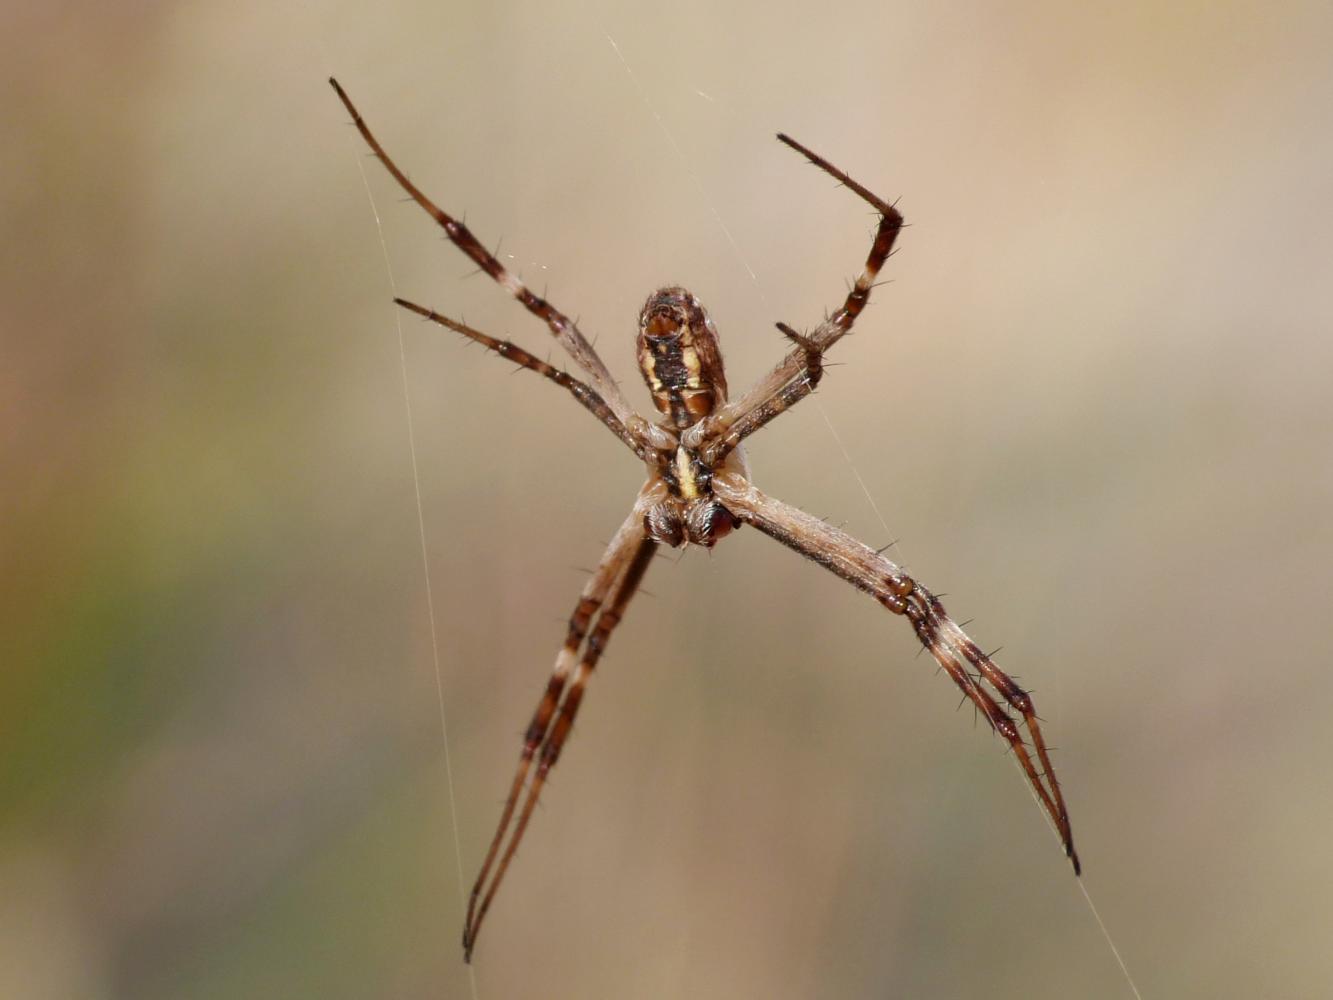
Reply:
x=690, y=357
x=648, y=364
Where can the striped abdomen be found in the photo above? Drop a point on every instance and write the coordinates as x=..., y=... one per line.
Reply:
x=679, y=357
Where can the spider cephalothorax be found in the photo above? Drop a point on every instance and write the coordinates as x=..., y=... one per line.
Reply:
x=698, y=489
x=682, y=506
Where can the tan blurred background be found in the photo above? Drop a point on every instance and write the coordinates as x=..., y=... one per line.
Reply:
x=1094, y=405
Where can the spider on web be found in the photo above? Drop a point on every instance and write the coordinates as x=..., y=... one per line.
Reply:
x=698, y=491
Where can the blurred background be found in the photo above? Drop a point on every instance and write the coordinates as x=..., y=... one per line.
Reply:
x=1093, y=404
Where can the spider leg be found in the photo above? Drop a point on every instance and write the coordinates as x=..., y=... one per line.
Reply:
x=561, y=326
x=581, y=391
x=606, y=596
x=1018, y=699
x=883, y=580
x=796, y=376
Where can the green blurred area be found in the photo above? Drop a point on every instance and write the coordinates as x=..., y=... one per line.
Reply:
x=1093, y=403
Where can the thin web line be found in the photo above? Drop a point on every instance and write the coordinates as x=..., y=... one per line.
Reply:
x=425, y=556
x=1109, y=943
x=680, y=155
x=1018, y=769
x=744, y=262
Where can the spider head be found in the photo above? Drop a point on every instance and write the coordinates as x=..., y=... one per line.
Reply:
x=679, y=357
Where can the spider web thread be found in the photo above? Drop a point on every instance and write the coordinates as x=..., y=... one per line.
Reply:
x=421, y=528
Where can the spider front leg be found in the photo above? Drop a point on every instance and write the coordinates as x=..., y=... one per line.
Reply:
x=565, y=331
x=605, y=596
x=951, y=647
x=581, y=391
x=799, y=372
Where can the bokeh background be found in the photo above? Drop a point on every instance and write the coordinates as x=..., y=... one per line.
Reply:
x=1093, y=404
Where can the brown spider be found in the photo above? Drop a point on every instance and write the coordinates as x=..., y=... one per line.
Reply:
x=698, y=491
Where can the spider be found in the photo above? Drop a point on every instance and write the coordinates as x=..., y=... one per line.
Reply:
x=697, y=492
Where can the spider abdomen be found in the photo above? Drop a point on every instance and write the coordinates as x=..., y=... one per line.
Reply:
x=679, y=356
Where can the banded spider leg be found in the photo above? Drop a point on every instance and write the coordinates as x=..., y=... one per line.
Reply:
x=605, y=596
x=882, y=579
